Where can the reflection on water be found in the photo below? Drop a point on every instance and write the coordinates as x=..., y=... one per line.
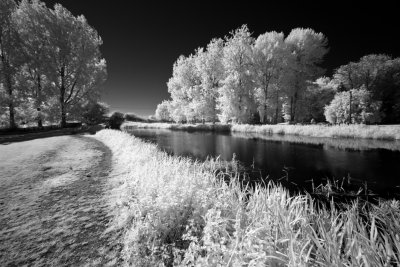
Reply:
x=338, y=143
x=301, y=158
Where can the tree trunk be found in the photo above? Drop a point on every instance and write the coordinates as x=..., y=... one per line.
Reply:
x=38, y=102
x=63, y=122
x=7, y=77
x=262, y=116
x=12, y=119
x=11, y=103
x=277, y=107
x=350, y=100
x=293, y=108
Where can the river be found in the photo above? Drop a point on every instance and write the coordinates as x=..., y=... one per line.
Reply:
x=299, y=161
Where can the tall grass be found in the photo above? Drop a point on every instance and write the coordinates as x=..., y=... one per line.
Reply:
x=180, y=212
x=379, y=132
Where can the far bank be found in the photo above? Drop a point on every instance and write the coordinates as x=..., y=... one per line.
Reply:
x=377, y=132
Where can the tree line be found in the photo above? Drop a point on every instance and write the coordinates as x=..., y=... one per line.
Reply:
x=275, y=78
x=51, y=69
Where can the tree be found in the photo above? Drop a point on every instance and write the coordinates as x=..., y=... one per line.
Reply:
x=379, y=74
x=184, y=86
x=387, y=90
x=116, y=120
x=9, y=61
x=211, y=72
x=236, y=96
x=364, y=108
x=94, y=113
x=77, y=69
x=317, y=95
x=268, y=62
x=30, y=20
x=163, y=111
x=307, y=50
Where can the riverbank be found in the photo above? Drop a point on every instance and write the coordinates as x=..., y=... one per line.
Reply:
x=178, y=211
x=378, y=132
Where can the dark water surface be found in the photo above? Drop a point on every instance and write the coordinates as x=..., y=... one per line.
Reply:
x=291, y=158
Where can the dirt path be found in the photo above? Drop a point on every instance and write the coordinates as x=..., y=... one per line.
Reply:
x=53, y=206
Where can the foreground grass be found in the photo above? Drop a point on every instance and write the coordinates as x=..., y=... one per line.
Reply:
x=180, y=212
x=379, y=132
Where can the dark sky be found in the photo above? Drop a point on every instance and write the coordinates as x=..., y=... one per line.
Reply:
x=142, y=39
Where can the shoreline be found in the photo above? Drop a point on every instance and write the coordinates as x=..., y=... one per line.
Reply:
x=374, y=132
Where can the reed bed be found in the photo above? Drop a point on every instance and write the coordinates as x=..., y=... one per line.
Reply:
x=378, y=132
x=180, y=212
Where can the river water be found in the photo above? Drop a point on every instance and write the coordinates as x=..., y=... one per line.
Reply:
x=299, y=161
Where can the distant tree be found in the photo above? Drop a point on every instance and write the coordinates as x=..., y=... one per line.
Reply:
x=236, y=95
x=307, y=50
x=268, y=62
x=378, y=74
x=116, y=119
x=317, y=95
x=9, y=56
x=163, y=111
x=364, y=108
x=211, y=72
x=133, y=117
x=77, y=69
x=184, y=86
x=94, y=113
x=387, y=90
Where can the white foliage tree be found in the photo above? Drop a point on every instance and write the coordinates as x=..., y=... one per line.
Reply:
x=163, y=111
x=268, y=64
x=211, y=72
x=307, y=49
x=236, y=100
x=77, y=69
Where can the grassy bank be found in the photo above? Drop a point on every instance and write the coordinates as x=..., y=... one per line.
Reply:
x=178, y=212
x=379, y=132
x=178, y=127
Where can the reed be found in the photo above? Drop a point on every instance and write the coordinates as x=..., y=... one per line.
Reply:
x=180, y=212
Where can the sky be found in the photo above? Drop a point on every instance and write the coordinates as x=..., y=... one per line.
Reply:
x=143, y=39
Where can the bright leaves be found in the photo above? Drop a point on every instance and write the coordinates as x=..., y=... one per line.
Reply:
x=273, y=78
x=51, y=64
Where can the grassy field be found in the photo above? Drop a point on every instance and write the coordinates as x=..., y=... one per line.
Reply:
x=378, y=132
x=180, y=212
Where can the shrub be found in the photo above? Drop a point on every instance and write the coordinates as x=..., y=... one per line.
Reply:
x=116, y=120
x=94, y=113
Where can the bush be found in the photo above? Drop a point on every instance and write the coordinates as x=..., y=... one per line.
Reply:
x=116, y=120
x=94, y=113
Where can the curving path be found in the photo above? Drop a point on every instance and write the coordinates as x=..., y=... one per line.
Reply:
x=53, y=204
